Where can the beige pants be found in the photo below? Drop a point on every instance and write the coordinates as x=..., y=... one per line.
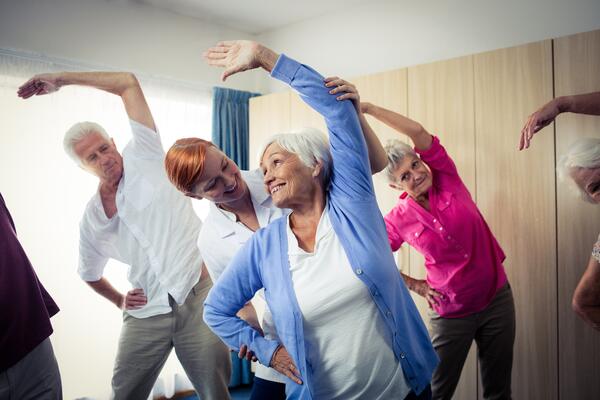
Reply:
x=146, y=343
x=34, y=377
x=493, y=329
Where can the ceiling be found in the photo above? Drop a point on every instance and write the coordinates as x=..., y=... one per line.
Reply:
x=252, y=16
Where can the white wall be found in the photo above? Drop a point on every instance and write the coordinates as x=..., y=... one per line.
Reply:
x=119, y=34
x=386, y=35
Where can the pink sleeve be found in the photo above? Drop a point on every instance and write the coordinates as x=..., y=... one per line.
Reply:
x=394, y=237
x=437, y=158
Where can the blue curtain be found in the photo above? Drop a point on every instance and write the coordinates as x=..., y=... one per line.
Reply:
x=230, y=123
x=230, y=133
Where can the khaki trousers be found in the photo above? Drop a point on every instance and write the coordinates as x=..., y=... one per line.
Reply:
x=493, y=329
x=145, y=344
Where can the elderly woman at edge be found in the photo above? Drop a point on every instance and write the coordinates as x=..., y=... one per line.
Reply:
x=581, y=163
x=466, y=286
x=348, y=328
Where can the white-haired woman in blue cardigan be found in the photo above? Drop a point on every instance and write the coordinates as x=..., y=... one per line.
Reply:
x=347, y=326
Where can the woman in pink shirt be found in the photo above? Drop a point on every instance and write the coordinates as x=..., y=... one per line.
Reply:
x=466, y=286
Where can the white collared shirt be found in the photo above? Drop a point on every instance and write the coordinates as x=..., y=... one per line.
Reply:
x=154, y=231
x=222, y=236
x=348, y=346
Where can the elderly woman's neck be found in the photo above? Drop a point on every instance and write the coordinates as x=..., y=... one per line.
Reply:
x=304, y=221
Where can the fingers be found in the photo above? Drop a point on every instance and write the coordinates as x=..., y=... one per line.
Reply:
x=30, y=88
x=231, y=71
x=294, y=374
x=351, y=96
x=226, y=43
x=343, y=88
x=242, y=352
x=135, y=299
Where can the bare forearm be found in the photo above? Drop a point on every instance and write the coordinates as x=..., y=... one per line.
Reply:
x=266, y=58
x=377, y=155
x=586, y=299
x=248, y=314
x=106, y=290
x=408, y=281
x=588, y=103
x=415, y=131
x=113, y=82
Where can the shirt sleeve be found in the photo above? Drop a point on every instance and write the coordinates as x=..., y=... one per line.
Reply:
x=393, y=234
x=236, y=286
x=145, y=142
x=443, y=167
x=351, y=172
x=91, y=262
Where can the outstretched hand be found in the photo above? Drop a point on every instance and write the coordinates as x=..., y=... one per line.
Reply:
x=39, y=85
x=538, y=120
x=238, y=56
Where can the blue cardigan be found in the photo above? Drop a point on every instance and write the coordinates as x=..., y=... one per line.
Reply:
x=356, y=219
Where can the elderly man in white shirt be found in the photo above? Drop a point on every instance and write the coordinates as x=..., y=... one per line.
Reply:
x=140, y=219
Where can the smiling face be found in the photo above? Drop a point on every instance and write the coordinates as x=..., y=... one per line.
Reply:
x=412, y=176
x=220, y=181
x=588, y=180
x=287, y=179
x=100, y=156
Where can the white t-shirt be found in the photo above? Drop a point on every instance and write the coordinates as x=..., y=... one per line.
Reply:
x=154, y=231
x=348, y=347
x=222, y=236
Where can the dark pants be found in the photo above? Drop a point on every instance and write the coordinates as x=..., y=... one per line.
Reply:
x=267, y=390
x=493, y=329
x=425, y=395
x=34, y=377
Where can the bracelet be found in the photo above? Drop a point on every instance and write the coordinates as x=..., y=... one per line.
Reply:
x=596, y=251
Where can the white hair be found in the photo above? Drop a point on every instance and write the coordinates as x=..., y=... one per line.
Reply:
x=583, y=153
x=396, y=151
x=309, y=144
x=78, y=132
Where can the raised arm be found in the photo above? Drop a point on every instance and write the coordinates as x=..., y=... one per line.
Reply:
x=588, y=103
x=351, y=171
x=123, y=84
x=415, y=131
x=347, y=91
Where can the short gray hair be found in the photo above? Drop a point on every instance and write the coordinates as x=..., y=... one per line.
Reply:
x=583, y=153
x=396, y=151
x=78, y=132
x=309, y=144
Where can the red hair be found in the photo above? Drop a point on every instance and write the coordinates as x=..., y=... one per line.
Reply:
x=185, y=162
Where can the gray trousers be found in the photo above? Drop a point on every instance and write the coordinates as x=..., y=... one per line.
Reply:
x=35, y=376
x=146, y=343
x=493, y=329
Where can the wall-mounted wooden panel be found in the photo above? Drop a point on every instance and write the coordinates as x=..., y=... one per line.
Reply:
x=441, y=98
x=268, y=115
x=516, y=194
x=576, y=71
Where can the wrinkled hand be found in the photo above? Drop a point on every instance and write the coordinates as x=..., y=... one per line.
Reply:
x=421, y=287
x=245, y=353
x=349, y=90
x=235, y=56
x=134, y=300
x=283, y=363
x=538, y=120
x=39, y=85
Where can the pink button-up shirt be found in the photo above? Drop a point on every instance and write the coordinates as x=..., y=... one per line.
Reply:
x=462, y=257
